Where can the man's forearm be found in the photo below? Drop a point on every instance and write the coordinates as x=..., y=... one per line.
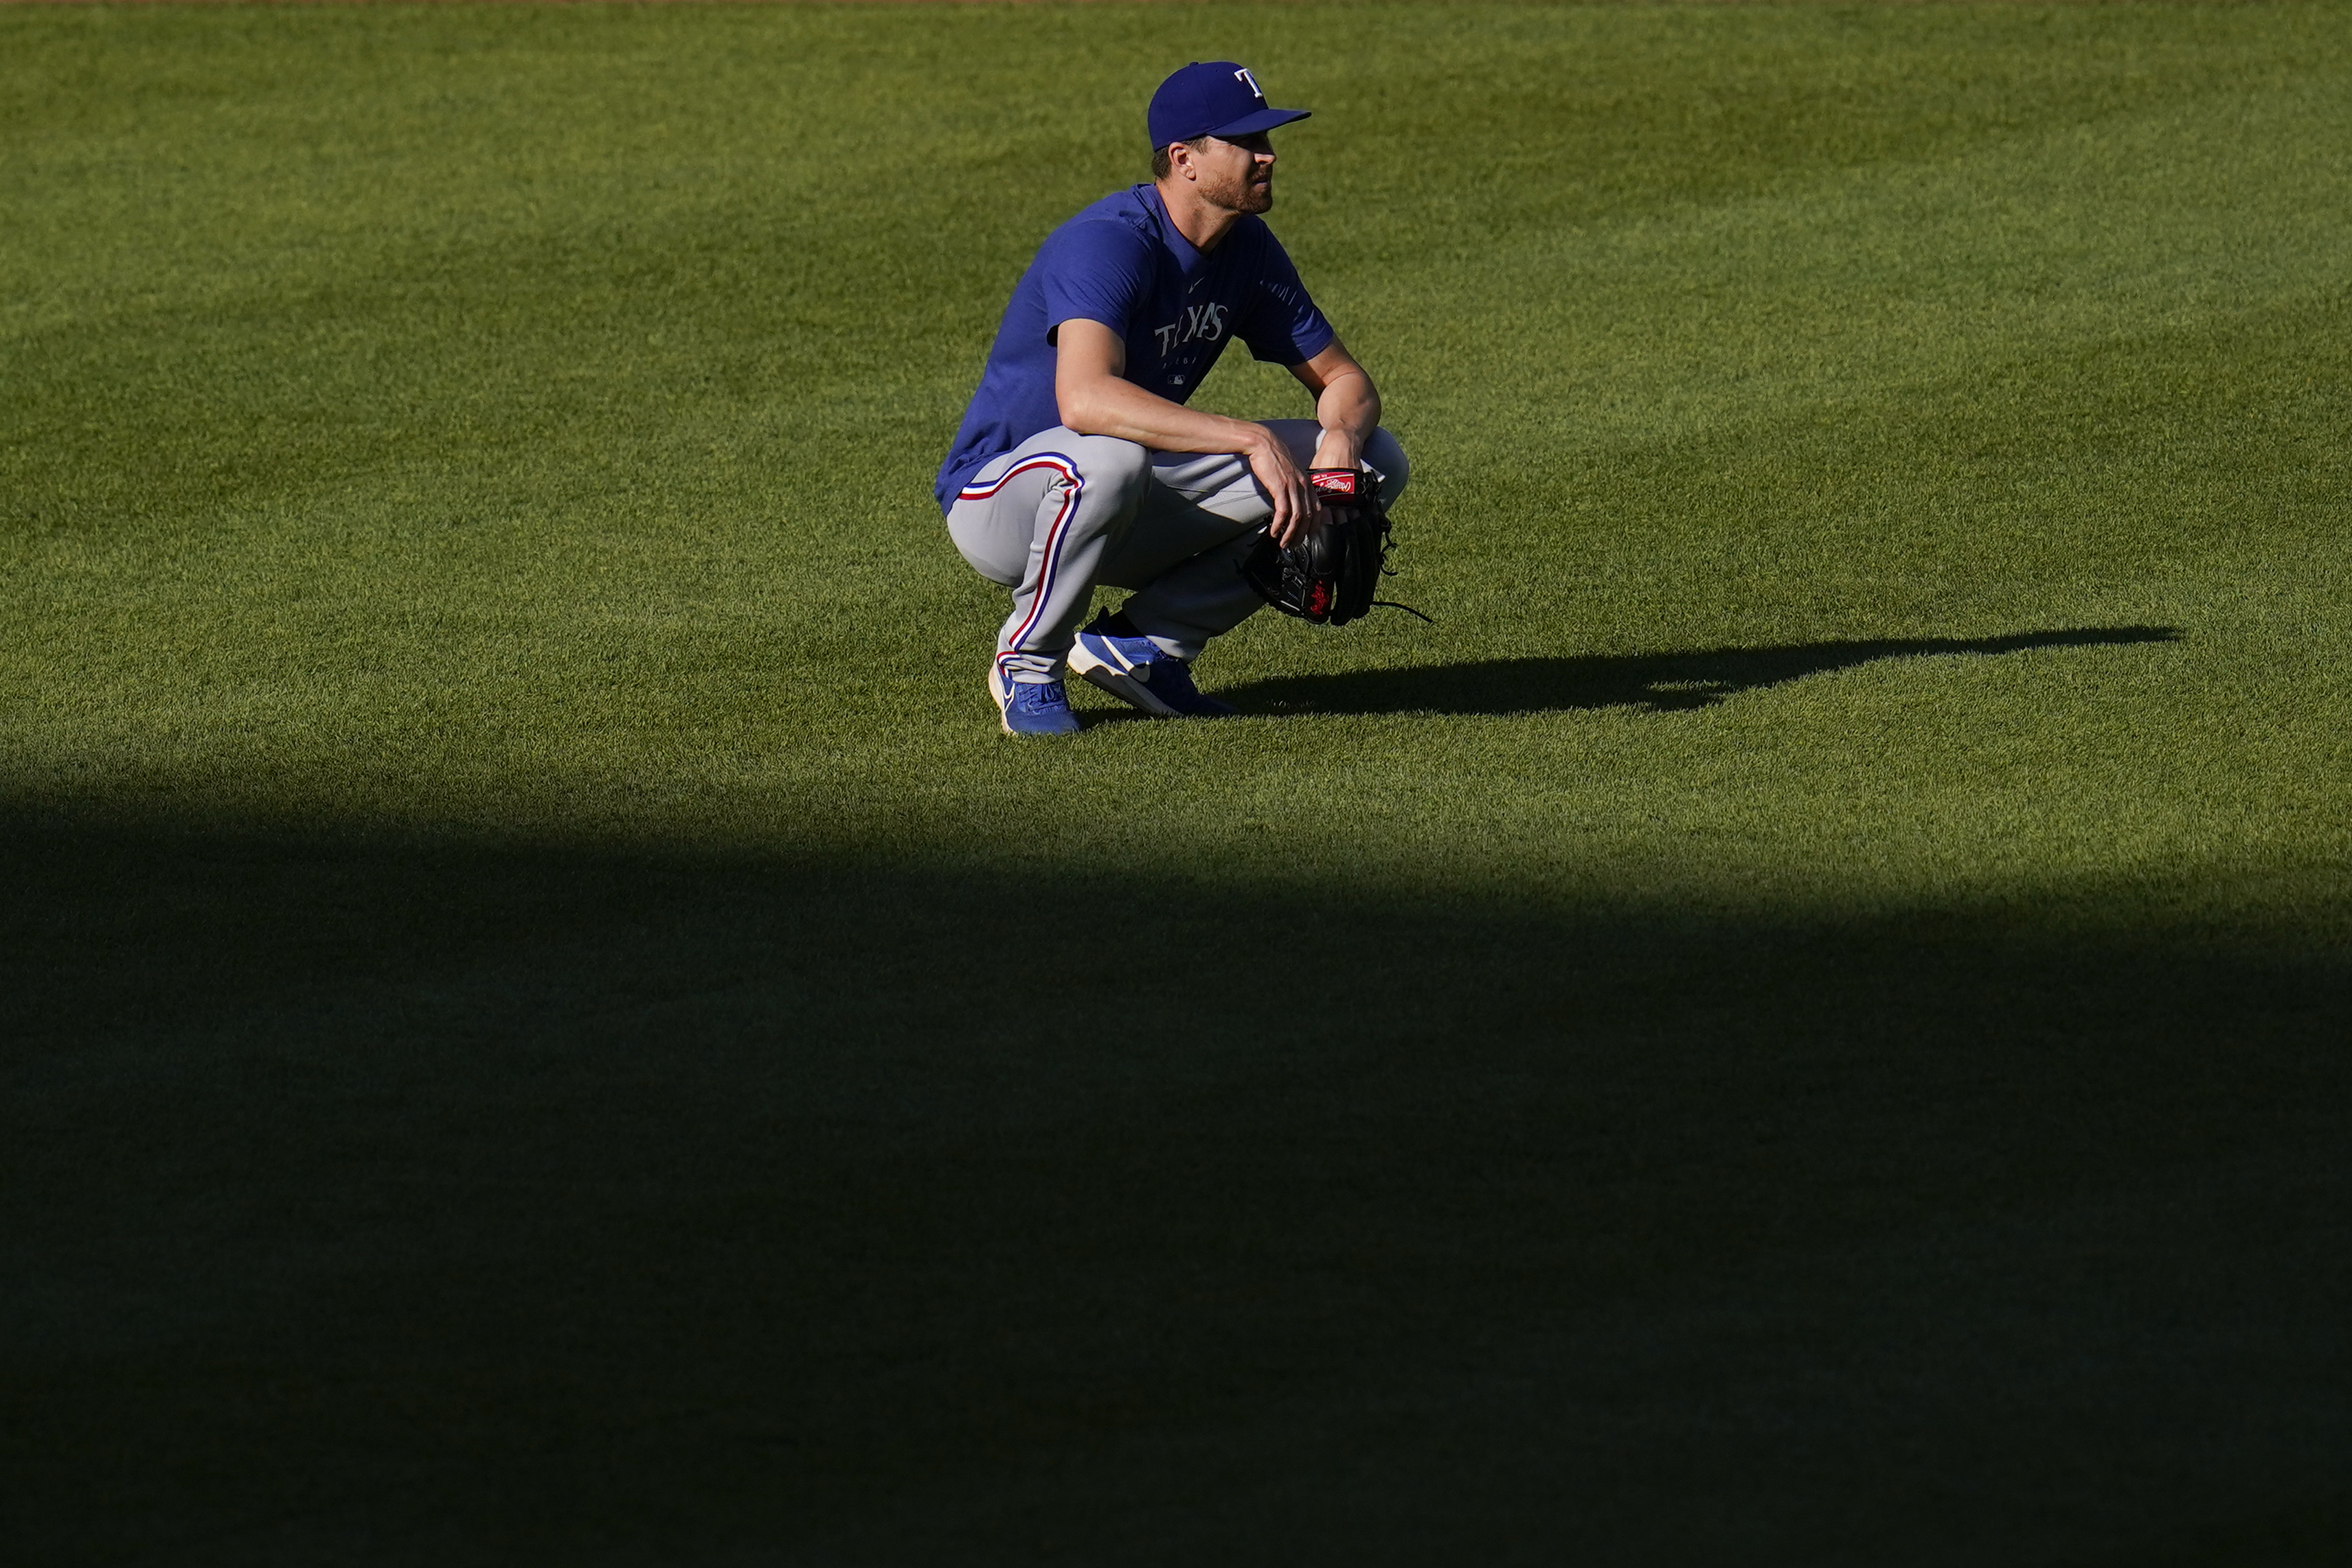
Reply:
x=1112, y=406
x=1348, y=410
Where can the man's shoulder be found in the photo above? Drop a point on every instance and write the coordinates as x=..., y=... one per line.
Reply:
x=1131, y=206
x=1121, y=220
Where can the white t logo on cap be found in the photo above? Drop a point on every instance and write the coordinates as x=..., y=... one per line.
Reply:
x=1257, y=91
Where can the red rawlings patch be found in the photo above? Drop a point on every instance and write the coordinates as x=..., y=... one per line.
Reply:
x=1338, y=481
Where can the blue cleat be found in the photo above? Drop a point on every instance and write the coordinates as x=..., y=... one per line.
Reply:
x=1038, y=708
x=1136, y=672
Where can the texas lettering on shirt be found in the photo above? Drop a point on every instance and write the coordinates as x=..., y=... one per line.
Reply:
x=1121, y=262
x=1200, y=322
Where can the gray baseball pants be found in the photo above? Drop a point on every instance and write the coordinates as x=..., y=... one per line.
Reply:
x=1062, y=513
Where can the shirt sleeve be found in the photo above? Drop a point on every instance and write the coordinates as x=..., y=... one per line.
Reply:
x=1281, y=325
x=1099, y=270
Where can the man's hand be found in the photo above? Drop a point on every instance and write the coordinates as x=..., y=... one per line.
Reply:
x=1338, y=449
x=1294, y=506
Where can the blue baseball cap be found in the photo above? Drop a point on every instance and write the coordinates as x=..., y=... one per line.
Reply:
x=1213, y=97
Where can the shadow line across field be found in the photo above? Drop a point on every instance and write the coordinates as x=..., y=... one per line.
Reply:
x=367, y=1190
x=1661, y=683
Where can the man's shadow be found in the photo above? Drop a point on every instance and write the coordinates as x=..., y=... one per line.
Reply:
x=1661, y=683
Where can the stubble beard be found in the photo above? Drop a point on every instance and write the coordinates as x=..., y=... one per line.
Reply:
x=1241, y=196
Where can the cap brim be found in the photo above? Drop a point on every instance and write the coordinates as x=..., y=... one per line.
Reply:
x=1264, y=119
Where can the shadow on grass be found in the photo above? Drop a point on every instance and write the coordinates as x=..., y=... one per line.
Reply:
x=372, y=1198
x=1662, y=683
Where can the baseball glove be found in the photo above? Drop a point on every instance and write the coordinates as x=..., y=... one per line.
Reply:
x=1329, y=574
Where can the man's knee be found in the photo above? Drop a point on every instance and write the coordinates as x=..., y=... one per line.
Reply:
x=1111, y=467
x=1387, y=458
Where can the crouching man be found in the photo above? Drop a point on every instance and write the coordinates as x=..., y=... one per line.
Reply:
x=1077, y=464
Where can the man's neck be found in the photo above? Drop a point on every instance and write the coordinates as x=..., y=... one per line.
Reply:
x=1202, y=225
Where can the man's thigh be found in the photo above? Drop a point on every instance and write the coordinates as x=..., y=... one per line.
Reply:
x=995, y=520
x=1174, y=524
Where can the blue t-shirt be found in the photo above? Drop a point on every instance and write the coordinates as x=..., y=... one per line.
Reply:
x=1122, y=263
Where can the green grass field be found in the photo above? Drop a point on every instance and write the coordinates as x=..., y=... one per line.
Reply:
x=1805, y=1022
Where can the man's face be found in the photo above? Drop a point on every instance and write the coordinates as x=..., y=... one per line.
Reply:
x=1237, y=175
